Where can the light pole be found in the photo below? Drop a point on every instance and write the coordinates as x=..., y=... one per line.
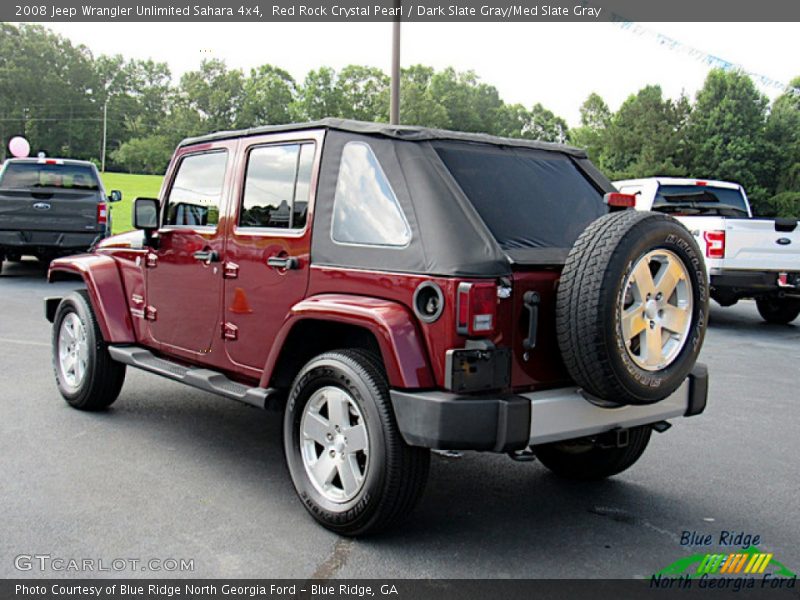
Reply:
x=394, y=106
x=105, y=135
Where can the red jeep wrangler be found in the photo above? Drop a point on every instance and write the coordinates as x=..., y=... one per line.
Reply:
x=392, y=290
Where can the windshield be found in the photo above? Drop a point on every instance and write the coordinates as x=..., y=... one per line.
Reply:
x=700, y=200
x=528, y=198
x=27, y=175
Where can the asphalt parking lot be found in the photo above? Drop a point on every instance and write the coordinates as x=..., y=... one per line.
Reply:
x=170, y=472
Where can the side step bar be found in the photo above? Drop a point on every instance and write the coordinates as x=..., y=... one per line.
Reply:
x=203, y=379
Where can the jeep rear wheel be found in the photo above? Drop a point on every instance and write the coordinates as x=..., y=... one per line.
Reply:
x=590, y=458
x=347, y=459
x=86, y=375
x=632, y=307
x=780, y=311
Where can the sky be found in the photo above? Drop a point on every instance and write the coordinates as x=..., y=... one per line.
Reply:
x=556, y=64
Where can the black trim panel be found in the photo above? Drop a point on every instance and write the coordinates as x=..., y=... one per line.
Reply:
x=698, y=390
x=450, y=422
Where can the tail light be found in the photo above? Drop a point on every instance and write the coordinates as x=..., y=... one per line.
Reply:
x=102, y=213
x=476, y=308
x=715, y=244
x=620, y=200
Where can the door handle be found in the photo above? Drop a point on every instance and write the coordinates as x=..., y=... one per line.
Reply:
x=206, y=256
x=283, y=262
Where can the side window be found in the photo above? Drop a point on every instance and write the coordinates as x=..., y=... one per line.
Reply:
x=365, y=208
x=277, y=186
x=194, y=199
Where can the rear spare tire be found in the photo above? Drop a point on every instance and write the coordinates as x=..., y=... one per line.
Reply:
x=632, y=307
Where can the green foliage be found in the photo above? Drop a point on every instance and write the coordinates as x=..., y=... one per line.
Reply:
x=644, y=137
x=595, y=120
x=48, y=91
x=785, y=204
x=783, y=134
x=149, y=154
x=727, y=135
x=266, y=97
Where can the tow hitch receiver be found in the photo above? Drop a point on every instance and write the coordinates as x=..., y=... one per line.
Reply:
x=616, y=438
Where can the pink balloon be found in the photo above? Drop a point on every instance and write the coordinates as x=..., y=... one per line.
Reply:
x=19, y=147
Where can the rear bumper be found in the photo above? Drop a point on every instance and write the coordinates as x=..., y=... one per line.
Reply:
x=22, y=240
x=448, y=421
x=745, y=282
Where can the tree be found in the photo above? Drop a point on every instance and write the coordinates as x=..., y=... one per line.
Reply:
x=48, y=92
x=144, y=155
x=783, y=204
x=418, y=106
x=214, y=93
x=783, y=133
x=267, y=97
x=595, y=120
x=363, y=93
x=470, y=104
x=644, y=137
x=727, y=135
x=318, y=97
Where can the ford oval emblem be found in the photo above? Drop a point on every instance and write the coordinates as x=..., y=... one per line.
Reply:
x=41, y=206
x=783, y=241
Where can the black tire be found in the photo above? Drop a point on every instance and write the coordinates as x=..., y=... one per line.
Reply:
x=780, y=311
x=100, y=385
x=590, y=300
x=396, y=474
x=585, y=460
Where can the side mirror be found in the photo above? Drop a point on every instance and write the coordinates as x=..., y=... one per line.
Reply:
x=145, y=214
x=115, y=196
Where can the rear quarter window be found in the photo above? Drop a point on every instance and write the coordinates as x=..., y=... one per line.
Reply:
x=365, y=207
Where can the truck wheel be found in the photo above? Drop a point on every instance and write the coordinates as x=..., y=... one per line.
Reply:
x=86, y=375
x=585, y=459
x=780, y=311
x=632, y=307
x=348, y=461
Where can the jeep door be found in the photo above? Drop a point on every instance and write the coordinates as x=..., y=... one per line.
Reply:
x=267, y=256
x=184, y=274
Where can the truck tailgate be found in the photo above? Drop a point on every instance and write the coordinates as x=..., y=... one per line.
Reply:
x=756, y=244
x=49, y=210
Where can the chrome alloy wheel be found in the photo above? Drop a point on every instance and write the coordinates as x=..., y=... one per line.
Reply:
x=656, y=310
x=73, y=351
x=334, y=443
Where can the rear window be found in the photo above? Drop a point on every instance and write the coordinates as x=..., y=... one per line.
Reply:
x=700, y=200
x=34, y=175
x=528, y=198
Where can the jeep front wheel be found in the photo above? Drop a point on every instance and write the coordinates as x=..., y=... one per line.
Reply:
x=86, y=375
x=347, y=459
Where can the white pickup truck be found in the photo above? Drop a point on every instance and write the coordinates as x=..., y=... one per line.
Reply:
x=746, y=256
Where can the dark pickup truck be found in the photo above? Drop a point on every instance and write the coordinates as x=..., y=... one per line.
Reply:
x=51, y=207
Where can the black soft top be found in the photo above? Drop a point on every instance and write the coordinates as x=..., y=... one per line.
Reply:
x=407, y=133
x=448, y=236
